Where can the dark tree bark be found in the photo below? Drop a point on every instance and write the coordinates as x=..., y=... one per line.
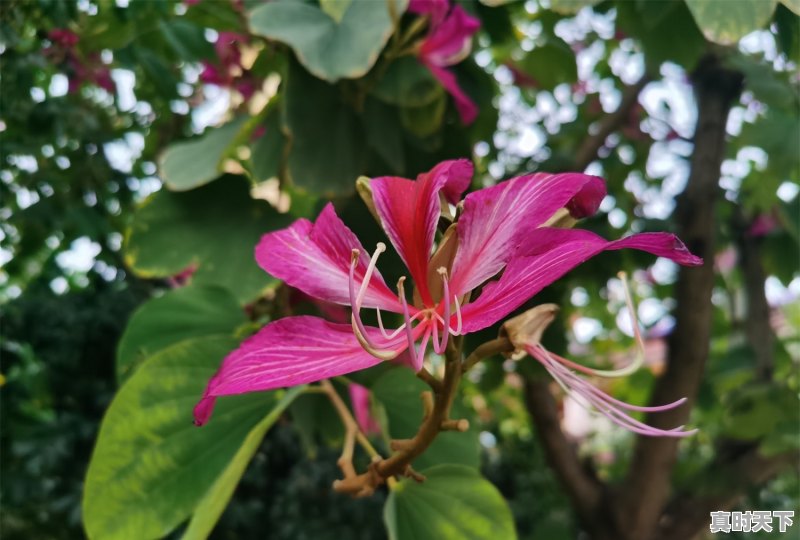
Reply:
x=646, y=488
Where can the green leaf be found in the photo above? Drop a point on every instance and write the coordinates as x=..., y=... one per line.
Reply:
x=266, y=151
x=331, y=49
x=151, y=466
x=426, y=120
x=215, y=228
x=187, y=39
x=213, y=504
x=384, y=134
x=568, y=7
x=726, y=22
x=666, y=30
x=453, y=503
x=407, y=83
x=181, y=314
x=793, y=5
x=398, y=390
x=335, y=8
x=551, y=64
x=327, y=153
x=190, y=164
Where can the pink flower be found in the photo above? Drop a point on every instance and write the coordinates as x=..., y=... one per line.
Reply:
x=499, y=233
x=763, y=224
x=227, y=70
x=359, y=399
x=448, y=42
x=63, y=37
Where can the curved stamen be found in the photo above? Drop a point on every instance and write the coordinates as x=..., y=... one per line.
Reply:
x=407, y=321
x=359, y=330
x=414, y=317
x=459, y=322
x=380, y=248
x=608, y=406
x=441, y=345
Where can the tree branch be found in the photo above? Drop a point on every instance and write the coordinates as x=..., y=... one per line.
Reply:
x=756, y=324
x=609, y=124
x=584, y=490
x=653, y=458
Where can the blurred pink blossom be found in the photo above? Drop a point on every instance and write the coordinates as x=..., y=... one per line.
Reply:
x=360, y=400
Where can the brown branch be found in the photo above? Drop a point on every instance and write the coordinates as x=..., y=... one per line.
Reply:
x=609, y=124
x=653, y=458
x=437, y=419
x=688, y=514
x=485, y=350
x=756, y=324
x=583, y=489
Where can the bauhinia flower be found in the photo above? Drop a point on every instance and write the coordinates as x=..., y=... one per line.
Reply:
x=448, y=42
x=359, y=399
x=499, y=232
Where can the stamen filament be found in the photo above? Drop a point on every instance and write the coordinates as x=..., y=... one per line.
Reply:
x=589, y=396
x=439, y=347
x=407, y=322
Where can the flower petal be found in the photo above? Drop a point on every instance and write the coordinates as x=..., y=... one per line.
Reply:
x=550, y=254
x=498, y=219
x=315, y=258
x=287, y=352
x=467, y=110
x=362, y=410
x=409, y=211
x=450, y=41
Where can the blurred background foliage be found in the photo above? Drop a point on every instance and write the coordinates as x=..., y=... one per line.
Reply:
x=147, y=145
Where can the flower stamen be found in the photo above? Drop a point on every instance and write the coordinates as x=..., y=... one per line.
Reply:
x=441, y=345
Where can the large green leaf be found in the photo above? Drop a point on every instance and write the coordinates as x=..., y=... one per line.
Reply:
x=407, y=83
x=725, y=21
x=152, y=467
x=453, y=503
x=329, y=48
x=327, y=152
x=213, y=504
x=181, y=314
x=398, y=390
x=215, y=228
x=190, y=164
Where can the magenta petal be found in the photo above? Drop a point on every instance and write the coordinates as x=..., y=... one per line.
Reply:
x=586, y=202
x=497, y=220
x=467, y=110
x=551, y=254
x=315, y=258
x=450, y=42
x=287, y=352
x=359, y=399
x=409, y=211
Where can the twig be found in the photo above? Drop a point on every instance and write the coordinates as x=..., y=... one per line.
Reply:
x=609, y=124
x=486, y=350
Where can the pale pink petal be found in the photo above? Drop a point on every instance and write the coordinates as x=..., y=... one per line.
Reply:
x=467, y=110
x=550, y=254
x=362, y=410
x=288, y=352
x=316, y=258
x=496, y=221
x=409, y=211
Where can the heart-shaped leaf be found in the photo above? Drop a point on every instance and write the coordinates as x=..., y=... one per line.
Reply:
x=181, y=314
x=329, y=48
x=190, y=164
x=453, y=503
x=152, y=467
x=213, y=228
x=727, y=22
